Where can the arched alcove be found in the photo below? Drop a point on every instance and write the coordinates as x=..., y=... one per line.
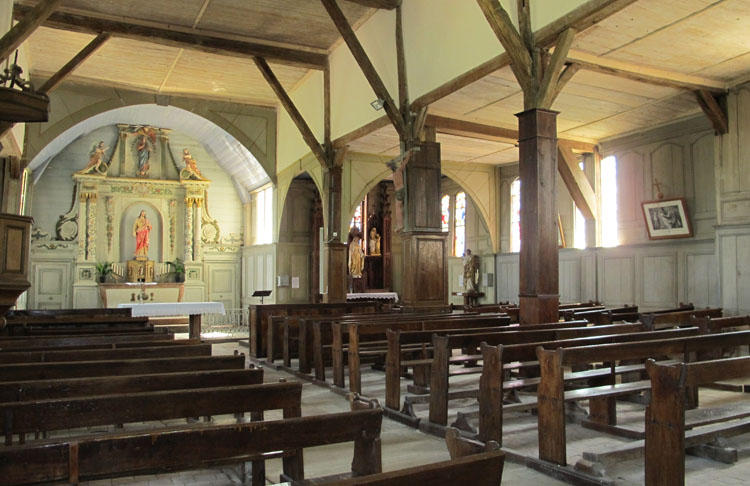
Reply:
x=127, y=238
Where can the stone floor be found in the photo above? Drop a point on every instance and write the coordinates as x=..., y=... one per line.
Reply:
x=403, y=446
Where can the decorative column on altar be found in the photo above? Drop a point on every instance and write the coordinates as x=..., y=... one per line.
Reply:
x=91, y=229
x=87, y=221
x=198, y=229
x=189, y=229
x=82, y=227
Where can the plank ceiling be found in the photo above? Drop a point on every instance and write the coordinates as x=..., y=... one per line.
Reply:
x=705, y=38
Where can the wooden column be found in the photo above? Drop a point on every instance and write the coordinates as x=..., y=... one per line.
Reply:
x=424, y=266
x=335, y=251
x=537, y=147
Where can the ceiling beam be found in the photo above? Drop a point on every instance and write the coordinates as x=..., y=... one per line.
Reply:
x=715, y=113
x=509, y=37
x=580, y=19
x=57, y=78
x=26, y=26
x=644, y=74
x=368, y=69
x=384, y=4
x=576, y=182
x=492, y=133
x=292, y=111
x=180, y=37
x=548, y=87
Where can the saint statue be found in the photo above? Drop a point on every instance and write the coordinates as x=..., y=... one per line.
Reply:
x=374, y=242
x=398, y=183
x=144, y=139
x=471, y=271
x=141, y=230
x=96, y=160
x=356, y=257
x=191, y=167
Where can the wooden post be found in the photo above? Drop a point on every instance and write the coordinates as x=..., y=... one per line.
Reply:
x=665, y=433
x=393, y=371
x=195, y=326
x=537, y=147
x=491, y=395
x=550, y=396
x=355, y=382
x=439, y=381
x=335, y=250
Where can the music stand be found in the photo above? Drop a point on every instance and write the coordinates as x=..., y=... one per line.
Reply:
x=261, y=294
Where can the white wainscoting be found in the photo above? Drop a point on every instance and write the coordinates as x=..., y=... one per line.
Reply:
x=653, y=276
x=734, y=255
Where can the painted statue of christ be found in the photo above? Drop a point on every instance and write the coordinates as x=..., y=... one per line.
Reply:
x=141, y=230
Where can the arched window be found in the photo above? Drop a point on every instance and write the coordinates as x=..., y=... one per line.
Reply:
x=445, y=212
x=264, y=216
x=357, y=218
x=515, y=216
x=459, y=225
x=610, y=236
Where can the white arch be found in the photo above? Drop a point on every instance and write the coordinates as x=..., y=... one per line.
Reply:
x=244, y=169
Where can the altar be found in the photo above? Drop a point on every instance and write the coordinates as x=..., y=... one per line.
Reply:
x=114, y=294
x=193, y=309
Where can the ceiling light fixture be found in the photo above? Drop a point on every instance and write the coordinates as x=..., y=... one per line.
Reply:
x=377, y=104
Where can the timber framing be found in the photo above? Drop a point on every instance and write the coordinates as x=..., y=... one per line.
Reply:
x=292, y=111
x=575, y=180
x=713, y=110
x=57, y=78
x=179, y=37
x=27, y=24
x=384, y=4
x=368, y=69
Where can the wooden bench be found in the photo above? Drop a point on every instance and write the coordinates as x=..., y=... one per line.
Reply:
x=192, y=447
x=444, y=346
x=375, y=332
x=666, y=438
x=551, y=394
x=498, y=359
x=483, y=469
x=17, y=391
x=58, y=355
x=659, y=320
x=75, y=324
x=20, y=418
x=322, y=332
x=401, y=342
x=79, y=369
x=42, y=342
x=259, y=317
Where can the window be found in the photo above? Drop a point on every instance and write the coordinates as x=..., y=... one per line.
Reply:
x=459, y=225
x=357, y=219
x=610, y=235
x=264, y=216
x=515, y=216
x=445, y=213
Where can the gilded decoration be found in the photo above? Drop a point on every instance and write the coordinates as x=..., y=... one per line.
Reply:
x=110, y=211
x=172, y=209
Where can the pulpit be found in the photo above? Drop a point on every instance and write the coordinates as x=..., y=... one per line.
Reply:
x=15, y=237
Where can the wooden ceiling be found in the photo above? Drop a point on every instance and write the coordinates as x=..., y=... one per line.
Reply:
x=674, y=44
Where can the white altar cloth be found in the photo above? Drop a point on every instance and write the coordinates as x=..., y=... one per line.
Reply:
x=373, y=296
x=159, y=309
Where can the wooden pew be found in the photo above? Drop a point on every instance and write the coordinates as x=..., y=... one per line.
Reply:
x=19, y=314
x=552, y=395
x=483, y=469
x=104, y=354
x=79, y=369
x=17, y=391
x=376, y=331
x=322, y=332
x=677, y=318
x=21, y=418
x=394, y=363
x=497, y=360
x=41, y=342
x=444, y=345
x=75, y=324
x=259, y=317
x=192, y=447
x=666, y=438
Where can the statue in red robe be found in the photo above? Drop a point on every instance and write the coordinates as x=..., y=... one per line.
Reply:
x=141, y=230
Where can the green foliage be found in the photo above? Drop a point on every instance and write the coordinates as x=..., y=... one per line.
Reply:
x=104, y=269
x=177, y=266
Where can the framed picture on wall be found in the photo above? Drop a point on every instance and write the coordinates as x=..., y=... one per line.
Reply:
x=667, y=218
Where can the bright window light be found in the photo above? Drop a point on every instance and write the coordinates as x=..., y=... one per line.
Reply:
x=515, y=216
x=610, y=235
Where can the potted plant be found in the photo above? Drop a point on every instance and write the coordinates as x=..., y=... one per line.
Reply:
x=102, y=270
x=178, y=269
